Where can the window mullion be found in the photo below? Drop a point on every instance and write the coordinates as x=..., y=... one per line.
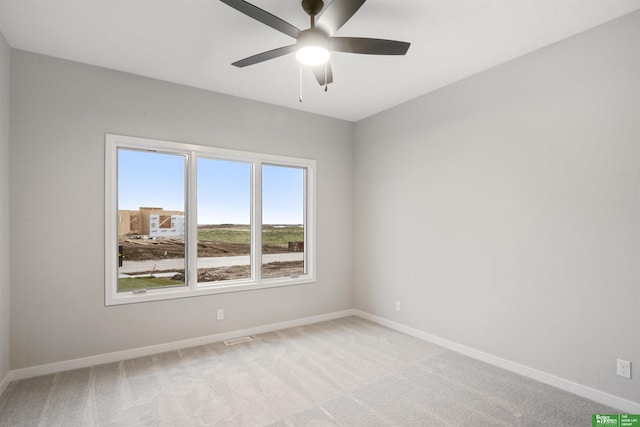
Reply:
x=256, y=219
x=192, y=222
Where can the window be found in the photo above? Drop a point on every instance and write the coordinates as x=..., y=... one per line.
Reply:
x=224, y=220
x=185, y=220
x=283, y=213
x=154, y=182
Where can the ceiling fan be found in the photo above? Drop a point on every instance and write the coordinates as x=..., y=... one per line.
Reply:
x=314, y=44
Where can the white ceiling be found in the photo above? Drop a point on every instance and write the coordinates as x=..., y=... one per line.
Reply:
x=193, y=42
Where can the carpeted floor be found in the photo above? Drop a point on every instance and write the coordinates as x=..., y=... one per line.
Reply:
x=346, y=372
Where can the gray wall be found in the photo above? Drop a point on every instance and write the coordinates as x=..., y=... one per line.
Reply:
x=503, y=211
x=60, y=113
x=5, y=56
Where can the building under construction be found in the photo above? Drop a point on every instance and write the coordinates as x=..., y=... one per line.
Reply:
x=152, y=222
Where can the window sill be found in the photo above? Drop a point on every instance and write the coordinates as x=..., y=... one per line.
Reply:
x=204, y=289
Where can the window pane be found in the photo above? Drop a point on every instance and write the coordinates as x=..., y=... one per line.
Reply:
x=151, y=220
x=283, y=221
x=224, y=225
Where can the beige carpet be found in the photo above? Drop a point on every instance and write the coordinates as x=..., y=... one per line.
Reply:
x=346, y=372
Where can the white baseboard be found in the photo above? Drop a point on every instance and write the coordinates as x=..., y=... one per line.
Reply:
x=561, y=383
x=117, y=356
x=4, y=383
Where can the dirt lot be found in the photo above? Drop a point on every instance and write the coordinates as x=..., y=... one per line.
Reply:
x=222, y=240
x=273, y=269
x=141, y=250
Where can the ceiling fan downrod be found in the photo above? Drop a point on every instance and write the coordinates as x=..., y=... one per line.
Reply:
x=312, y=8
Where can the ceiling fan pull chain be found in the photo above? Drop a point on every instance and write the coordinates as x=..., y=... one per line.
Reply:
x=300, y=80
x=326, y=84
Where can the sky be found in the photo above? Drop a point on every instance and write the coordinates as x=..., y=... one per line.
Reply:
x=153, y=179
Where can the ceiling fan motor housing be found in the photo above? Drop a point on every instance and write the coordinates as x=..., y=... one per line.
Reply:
x=313, y=37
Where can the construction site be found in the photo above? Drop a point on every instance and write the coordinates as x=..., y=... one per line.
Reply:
x=155, y=234
x=151, y=222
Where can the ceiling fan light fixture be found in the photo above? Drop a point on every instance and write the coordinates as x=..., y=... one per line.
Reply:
x=313, y=55
x=312, y=47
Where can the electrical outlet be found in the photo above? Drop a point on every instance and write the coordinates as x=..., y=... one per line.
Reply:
x=220, y=314
x=397, y=305
x=624, y=368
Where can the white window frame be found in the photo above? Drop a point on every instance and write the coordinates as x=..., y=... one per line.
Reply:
x=192, y=288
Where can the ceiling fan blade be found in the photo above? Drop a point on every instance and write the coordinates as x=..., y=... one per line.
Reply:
x=264, y=17
x=368, y=46
x=319, y=72
x=337, y=13
x=265, y=56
